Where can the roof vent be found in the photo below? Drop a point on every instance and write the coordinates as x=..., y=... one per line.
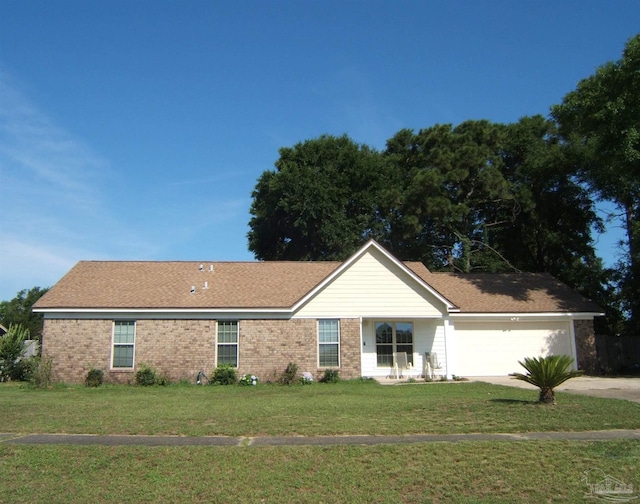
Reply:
x=211, y=268
x=193, y=289
x=201, y=268
x=206, y=285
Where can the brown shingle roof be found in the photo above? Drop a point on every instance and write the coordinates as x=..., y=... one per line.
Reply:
x=506, y=292
x=116, y=284
x=278, y=285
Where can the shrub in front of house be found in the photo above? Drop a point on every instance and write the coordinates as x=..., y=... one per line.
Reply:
x=306, y=378
x=94, y=378
x=547, y=373
x=24, y=368
x=224, y=374
x=145, y=376
x=290, y=375
x=248, y=379
x=11, y=352
x=330, y=376
x=40, y=372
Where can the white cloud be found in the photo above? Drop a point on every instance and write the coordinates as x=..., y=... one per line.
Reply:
x=53, y=206
x=62, y=203
x=26, y=265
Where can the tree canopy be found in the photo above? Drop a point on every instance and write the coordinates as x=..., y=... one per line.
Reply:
x=479, y=196
x=18, y=311
x=319, y=203
x=600, y=122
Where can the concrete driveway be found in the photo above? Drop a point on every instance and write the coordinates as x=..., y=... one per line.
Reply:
x=608, y=387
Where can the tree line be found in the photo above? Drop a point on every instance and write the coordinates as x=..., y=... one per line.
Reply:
x=476, y=197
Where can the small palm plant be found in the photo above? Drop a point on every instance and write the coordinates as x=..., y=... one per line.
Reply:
x=547, y=373
x=11, y=350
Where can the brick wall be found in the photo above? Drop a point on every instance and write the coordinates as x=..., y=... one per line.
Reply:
x=177, y=348
x=75, y=346
x=586, y=345
x=267, y=347
x=180, y=348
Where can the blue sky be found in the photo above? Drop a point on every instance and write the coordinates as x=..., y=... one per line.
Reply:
x=138, y=129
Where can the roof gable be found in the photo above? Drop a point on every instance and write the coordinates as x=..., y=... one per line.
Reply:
x=372, y=284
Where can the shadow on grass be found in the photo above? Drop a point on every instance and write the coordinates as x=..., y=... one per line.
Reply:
x=512, y=401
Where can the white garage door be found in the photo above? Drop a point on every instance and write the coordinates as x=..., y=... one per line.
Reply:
x=494, y=348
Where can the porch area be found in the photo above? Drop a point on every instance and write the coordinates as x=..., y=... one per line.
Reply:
x=404, y=350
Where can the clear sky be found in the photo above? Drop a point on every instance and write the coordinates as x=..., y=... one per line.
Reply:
x=138, y=129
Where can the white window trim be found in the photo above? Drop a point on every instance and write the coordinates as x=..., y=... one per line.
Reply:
x=114, y=344
x=328, y=343
x=236, y=344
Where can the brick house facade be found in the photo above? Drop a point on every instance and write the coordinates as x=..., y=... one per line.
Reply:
x=179, y=349
x=355, y=316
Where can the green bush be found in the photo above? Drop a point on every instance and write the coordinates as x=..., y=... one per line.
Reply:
x=330, y=376
x=163, y=380
x=224, y=374
x=23, y=369
x=11, y=350
x=40, y=372
x=248, y=379
x=547, y=373
x=306, y=378
x=94, y=378
x=290, y=375
x=145, y=376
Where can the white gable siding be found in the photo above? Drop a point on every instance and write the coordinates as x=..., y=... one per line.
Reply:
x=373, y=286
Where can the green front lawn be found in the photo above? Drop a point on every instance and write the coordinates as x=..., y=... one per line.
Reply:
x=466, y=472
x=475, y=472
x=318, y=409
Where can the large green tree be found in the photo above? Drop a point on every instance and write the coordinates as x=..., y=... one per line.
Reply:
x=319, y=203
x=449, y=193
x=555, y=213
x=600, y=121
x=18, y=311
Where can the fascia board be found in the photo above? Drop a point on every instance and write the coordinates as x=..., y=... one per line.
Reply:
x=527, y=315
x=168, y=313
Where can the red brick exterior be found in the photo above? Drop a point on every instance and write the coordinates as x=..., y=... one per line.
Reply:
x=587, y=356
x=181, y=348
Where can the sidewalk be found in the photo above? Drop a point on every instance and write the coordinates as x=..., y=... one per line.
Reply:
x=90, y=439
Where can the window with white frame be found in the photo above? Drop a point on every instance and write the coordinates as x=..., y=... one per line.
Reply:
x=328, y=343
x=124, y=341
x=227, y=342
x=393, y=337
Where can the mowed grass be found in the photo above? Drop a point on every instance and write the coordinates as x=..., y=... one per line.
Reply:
x=465, y=472
x=318, y=409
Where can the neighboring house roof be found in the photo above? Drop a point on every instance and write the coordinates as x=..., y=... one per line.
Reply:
x=3, y=330
x=282, y=284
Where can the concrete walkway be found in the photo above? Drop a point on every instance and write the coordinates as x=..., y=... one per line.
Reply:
x=90, y=439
